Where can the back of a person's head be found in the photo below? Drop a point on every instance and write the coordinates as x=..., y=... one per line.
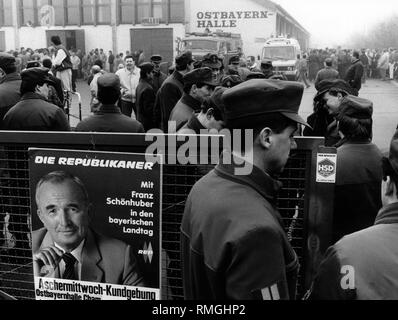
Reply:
x=99, y=63
x=108, y=88
x=355, y=54
x=47, y=63
x=56, y=40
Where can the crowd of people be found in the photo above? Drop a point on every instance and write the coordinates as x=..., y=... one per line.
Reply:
x=253, y=258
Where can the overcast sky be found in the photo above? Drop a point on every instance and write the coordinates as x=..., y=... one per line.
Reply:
x=330, y=22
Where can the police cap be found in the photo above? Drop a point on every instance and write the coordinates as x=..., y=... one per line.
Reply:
x=156, y=58
x=255, y=75
x=36, y=75
x=338, y=85
x=184, y=59
x=201, y=75
x=234, y=60
x=355, y=107
x=254, y=100
x=212, y=61
x=266, y=63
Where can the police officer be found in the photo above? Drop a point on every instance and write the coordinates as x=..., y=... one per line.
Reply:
x=233, y=243
x=268, y=70
x=158, y=76
x=212, y=61
x=363, y=265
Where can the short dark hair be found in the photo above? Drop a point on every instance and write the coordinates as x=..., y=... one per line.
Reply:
x=47, y=63
x=328, y=62
x=188, y=87
x=108, y=95
x=29, y=86
x=355, y=54
x=128, y=57
x=56, y=40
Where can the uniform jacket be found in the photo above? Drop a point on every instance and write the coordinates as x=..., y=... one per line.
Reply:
x=145, y=104
x=158, y=79
x=105, y=260
x=357, y=189
x=109, y=119
x=34, y=113
x=9, y=93
x=373, y=255
x=166, y=99
x=354, y=75
x=233, y=244
x=183, y=110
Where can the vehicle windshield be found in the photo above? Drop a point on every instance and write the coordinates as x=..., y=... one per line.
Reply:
x=279, y=53
x=200, y=45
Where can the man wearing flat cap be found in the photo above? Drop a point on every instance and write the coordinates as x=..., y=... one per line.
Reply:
x=34, y=112
x=233, y=243
x=358, y=176
x=212, y=61
x=109, y=117
x=326, y=106
x=199, y=84
x=363, y=265
x=146, y=96
x=172, y=90
x=10, y=83
x=158, y=76
x=327, y=73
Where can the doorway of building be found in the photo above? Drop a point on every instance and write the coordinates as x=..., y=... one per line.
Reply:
x=153, y=41
x=71, y=39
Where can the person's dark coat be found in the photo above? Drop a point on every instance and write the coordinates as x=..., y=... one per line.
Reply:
x=183, y=110
x=145, y=101
x=9, y=93
x=327, y=73
x=109, y=118
x=158, y=79
x=166, y=99
x=367, y=260
x=58, y=87
x=357, y=189
x=193, y=126
x=354, y=75
x=34, y=113
x=233, y=244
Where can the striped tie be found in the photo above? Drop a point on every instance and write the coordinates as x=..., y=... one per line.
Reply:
x=69, y=272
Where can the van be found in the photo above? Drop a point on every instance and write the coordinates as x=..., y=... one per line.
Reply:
x=283, y=53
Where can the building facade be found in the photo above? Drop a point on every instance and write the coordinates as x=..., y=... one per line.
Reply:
x=153, y=26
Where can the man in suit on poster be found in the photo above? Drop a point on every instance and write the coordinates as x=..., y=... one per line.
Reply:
x=67, y=247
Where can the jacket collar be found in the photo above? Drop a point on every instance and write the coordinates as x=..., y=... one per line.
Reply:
x=191, y=102
x=32, y=95
x=388, y=214
x=178, y=76
x=257, y=179
x=108, y=108
x=11, y=77
x=195, y=124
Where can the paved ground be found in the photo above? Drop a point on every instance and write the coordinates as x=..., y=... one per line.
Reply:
x=383, y=94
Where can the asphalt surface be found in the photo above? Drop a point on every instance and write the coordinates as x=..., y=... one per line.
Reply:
x=384, y=95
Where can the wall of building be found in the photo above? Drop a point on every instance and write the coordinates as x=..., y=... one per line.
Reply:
x=254, y=22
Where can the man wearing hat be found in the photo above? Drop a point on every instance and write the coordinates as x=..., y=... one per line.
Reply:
x=354, y=73
x=146, y=96
x=10, y=83
x=230, y=81
x=109, y=117
x=199, y=84
x=358, y=177
x=363, y=265
x=210, y=118
x=34, y=112
x=212, y=61
x=172, y=90
x=268, y=70
x=233, y=243
x=326, y=106
x=158, y=76
x=234, y=68
x=327, y=73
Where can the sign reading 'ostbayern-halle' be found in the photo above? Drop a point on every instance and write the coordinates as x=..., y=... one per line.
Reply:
x=227, y=19
x=103, y=209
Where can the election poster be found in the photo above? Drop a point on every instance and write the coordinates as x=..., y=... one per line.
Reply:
x=96, y=225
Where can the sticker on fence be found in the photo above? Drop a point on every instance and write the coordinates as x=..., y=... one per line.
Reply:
x=96, y=225
x=326, y=168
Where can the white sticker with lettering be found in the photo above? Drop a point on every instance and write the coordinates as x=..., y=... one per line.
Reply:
x=326, y=165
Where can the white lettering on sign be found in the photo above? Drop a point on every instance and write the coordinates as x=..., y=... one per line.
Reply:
x=326, y=168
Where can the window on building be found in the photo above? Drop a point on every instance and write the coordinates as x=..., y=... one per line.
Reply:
x=59, y=7
x=27, y=12
x=88, y=11
x=72, y=12
x=160, y=10
x=6, y=13
x=143, y=9
x=177, y=11
x=104, y=12
x=126, y=11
